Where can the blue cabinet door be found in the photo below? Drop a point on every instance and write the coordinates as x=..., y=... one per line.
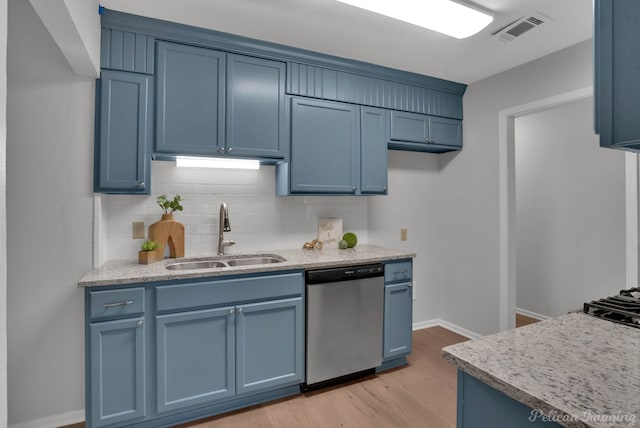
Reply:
x=190, y=96
x=617, y=82
x=195, y=358
x=444, y=131
x=255, y=107
x=397, y=320
x=409, y=127
x=270, y=344
x=373, y=148
x=117, y=361
x=325, y=147
x=123, y=135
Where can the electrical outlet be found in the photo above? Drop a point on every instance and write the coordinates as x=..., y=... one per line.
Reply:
x=138, y=230
x=403, y=234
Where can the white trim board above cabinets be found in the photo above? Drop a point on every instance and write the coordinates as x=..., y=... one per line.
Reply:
x=200, y=92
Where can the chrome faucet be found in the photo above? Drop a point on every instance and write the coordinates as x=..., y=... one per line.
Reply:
x=223, y=226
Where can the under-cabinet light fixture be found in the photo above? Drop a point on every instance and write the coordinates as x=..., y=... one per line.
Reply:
x=444, y=16
x=197, y=162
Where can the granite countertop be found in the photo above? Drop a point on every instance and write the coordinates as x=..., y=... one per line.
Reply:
x=118, y=272
x=580, y=368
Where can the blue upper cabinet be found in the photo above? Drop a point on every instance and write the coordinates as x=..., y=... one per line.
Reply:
x=373, y=147
x=325, y=142
x=419, y=132
x=213, y=103
x=126, y=51
x=190, y=99
x=617, y=81
x=255, y=107
x=123, y=133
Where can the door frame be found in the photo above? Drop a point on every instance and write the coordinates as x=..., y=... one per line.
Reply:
x=507, y=206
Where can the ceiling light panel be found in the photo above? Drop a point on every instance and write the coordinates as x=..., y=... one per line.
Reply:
x=444, y=16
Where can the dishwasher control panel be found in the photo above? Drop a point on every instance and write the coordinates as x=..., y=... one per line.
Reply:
x=346, y=273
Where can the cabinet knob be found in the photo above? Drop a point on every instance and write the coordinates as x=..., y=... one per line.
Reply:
x=220, y=149
x=239, y=310
x=384, y=188
x=229, y=149
x=353, y=188
x=230, y=312
x=139, y=323
x=140, y=185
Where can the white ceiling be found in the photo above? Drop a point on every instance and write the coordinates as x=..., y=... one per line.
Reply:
x=338, y=29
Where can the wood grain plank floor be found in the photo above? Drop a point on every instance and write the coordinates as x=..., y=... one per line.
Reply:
x=522, y=320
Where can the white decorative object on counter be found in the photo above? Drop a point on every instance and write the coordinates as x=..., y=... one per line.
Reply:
x=330, y=231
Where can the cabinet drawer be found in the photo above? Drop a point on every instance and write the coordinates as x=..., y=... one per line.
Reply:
x=116, y=303
x=227, y=291
x=397, y=271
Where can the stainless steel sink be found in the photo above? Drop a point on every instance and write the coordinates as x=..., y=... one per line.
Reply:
x=225, y=262
x=201, y=264
x=248, y=261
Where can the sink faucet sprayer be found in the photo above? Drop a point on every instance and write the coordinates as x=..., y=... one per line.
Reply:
x=223, y=226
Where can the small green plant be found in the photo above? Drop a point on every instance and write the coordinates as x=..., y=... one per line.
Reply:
x=150, y=245
x=169, y=206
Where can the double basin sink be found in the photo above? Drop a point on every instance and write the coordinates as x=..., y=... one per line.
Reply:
x=225, y=262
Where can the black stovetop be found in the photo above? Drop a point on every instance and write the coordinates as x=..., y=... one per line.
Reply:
x=623, y=308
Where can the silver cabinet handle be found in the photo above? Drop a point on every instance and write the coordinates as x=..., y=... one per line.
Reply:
x=140, y=185
x=230, y=312
x=384, y=188
x=139, y=323
x=229, y=149
x=115, y=305
x=353, y=188
x=220, y=149
x=240, y=311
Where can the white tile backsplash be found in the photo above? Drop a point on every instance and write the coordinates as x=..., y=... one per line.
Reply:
x=260, y=220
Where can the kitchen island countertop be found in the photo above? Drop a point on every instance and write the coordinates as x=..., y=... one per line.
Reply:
x=583, y=370
x=121, y=272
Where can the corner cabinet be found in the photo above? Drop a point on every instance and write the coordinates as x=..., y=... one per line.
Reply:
x=213, y=103
x=336, y=148
x=420, y=132
x=123, y=132
x=397, y=310
x=616, y=79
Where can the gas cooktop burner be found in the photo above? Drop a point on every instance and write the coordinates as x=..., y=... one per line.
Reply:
x=623, y=308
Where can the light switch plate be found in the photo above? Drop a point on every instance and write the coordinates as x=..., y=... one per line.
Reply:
x=138, y=230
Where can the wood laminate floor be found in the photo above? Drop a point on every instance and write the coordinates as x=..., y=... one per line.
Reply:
x=522, y=320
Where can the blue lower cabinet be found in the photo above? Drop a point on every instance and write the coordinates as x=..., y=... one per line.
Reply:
x=270, y=345
x=481, y=406
x=195, y=358
x=397, y=320
x=117, y=355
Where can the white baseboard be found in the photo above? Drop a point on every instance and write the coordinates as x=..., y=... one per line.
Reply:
x=54, y=421
x=530, y=314
x=446, y=324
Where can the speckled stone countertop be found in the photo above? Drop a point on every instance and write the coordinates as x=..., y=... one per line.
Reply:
x=577, y=367
x=119, y=272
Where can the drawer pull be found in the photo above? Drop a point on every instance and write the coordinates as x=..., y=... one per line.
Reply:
x=115, y=305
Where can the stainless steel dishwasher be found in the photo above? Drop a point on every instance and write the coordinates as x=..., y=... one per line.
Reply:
x=344, y=322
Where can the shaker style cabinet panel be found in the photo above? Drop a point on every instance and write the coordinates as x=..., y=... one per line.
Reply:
x=255, y=108
x=398, y=300
x=117, y=372
x=270, y=344
x=616, y=78
x=324, y=146
x=373, y=147
x=419, y=132
x=190, y=95
x=123, y=133
x=195, y=357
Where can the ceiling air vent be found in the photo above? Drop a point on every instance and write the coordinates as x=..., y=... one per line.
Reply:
x=520, y=26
